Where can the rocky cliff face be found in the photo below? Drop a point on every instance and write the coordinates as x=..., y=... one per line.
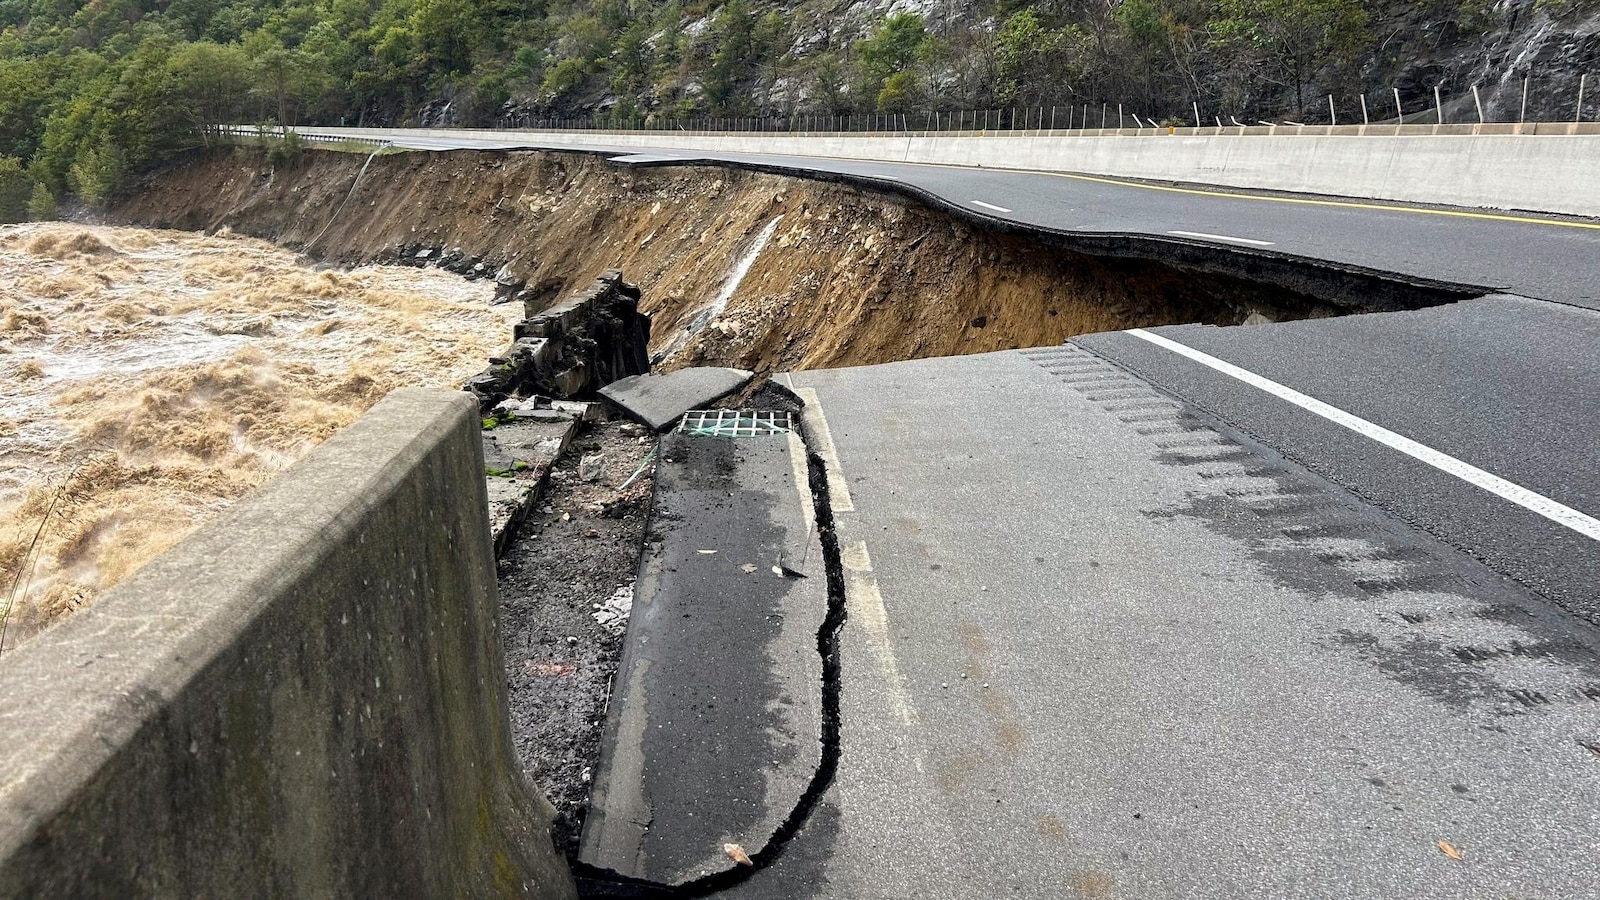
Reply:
x=1093, y=51
x=1550, y=44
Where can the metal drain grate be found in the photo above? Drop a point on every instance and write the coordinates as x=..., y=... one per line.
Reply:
x=736, y=423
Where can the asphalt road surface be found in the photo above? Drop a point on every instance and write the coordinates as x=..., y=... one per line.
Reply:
x=1506, y=385
x=1101, y=643
x=1534, y=256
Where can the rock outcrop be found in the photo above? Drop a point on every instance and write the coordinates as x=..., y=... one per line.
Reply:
x=572, y=348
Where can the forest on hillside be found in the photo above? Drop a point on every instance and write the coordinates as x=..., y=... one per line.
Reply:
x=93, y=92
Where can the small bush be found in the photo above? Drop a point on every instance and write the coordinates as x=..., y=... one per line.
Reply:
x=15, y=186
x=284, y=152
x=42, y=205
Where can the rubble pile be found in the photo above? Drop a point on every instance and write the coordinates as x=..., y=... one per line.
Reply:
x=451, y=260
x=572, y=348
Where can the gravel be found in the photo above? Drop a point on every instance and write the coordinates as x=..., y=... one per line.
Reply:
x=578, y=548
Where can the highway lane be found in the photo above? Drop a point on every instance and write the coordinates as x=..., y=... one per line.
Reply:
x=1101, y=644
x=1533, y=256
x=1507, y=385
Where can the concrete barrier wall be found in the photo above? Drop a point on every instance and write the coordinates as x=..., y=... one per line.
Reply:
x=1541, y=172
x=304, y=698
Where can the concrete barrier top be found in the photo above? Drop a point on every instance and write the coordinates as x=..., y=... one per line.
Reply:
x=304, y=696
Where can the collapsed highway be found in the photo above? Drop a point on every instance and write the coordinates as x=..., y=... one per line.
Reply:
x=1298, y=608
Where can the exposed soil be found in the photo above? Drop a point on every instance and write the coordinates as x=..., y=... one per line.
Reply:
x=571, y=555
x=847, y=277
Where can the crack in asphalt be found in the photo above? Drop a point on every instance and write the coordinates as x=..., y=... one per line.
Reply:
x=594, y=881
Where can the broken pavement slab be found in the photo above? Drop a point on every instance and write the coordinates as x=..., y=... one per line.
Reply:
x=660, y=400
x=517, y=458
x=715, y=727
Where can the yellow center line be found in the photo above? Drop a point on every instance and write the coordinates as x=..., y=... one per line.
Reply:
x=1346, y=204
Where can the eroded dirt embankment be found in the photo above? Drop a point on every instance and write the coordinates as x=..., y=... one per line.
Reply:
x=845, y=276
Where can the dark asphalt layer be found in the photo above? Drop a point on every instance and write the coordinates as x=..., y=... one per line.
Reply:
x=1506, y=384
x=1551, y=259
x=714, y=730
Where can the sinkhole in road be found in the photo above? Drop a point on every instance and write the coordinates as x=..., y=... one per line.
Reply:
x=752, y=269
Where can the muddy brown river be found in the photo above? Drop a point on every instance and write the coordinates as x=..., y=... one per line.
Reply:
x=151, y=378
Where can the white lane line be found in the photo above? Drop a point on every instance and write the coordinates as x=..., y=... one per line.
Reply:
x=1222, y=237
x=998, y=209
x=1558, y=513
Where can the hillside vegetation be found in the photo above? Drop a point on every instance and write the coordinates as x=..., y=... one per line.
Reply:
x=92, y=92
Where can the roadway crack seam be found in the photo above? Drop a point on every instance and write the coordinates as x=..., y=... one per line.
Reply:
x=594, y=881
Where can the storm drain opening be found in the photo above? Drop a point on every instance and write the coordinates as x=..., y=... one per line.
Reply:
x=735, y=423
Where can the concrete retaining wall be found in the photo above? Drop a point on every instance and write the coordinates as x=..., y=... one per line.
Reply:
x=1445, y=164
x=304, y=698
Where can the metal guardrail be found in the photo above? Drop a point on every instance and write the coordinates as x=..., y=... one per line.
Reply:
x=1378, y=130
x=278, y=131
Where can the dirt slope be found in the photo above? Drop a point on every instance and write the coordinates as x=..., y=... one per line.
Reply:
x=847, y=278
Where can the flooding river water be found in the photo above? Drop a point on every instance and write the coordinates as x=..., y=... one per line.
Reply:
x=150, y=378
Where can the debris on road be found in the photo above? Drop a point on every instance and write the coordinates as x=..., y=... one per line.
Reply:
x=661, y=400
x=737, y=854
x=561, y=568
x=612, y=615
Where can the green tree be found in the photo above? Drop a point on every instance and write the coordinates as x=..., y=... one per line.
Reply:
x=1289, y=41
x=214, y=82
x=734, y=35
x=1035, y=63
x=563, y=78
x=15, y=189
x=42, y=205
x=97, y=173
x=896, y=47
x=1167, y=38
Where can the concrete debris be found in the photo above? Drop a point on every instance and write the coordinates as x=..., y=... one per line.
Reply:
x=518, y=453
x=582, y=411
x=452, y=260
x=585, y=342
x=660, y=400
x=737, y=854
x=592, y=467
x=613, y=614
